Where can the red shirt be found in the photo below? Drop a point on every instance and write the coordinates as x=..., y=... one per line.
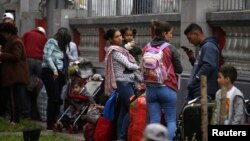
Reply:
x=34, y=42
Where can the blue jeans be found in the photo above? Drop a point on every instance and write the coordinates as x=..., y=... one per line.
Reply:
x=165, y=98
x=125, y=91
x=35, y=67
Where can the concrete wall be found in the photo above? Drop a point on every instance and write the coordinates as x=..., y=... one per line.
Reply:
x=193, y=11
x=26, y=11
x=61, y=18
x=198, y=11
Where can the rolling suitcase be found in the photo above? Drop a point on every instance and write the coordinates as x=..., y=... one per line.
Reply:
x=191, y=120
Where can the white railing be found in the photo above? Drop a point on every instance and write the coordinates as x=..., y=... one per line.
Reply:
x=233, y=5
x=99, y=8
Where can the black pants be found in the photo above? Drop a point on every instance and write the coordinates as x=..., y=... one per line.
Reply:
x=53, y=88
x=13, y=97
x=3, y=102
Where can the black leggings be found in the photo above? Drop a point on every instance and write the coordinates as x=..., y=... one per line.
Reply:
x=53, y=88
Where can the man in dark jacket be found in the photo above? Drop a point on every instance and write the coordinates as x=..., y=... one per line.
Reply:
x=207, y=62
x=6, y=18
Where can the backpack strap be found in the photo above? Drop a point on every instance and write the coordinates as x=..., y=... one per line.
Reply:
x=164, y=45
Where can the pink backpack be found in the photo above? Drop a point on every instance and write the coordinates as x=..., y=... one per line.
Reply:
x=153, y=68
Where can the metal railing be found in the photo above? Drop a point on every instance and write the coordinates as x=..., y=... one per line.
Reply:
x=233, y=5
x=100, y=8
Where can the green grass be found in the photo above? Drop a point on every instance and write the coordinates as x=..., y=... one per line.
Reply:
x=5, y=126
x=52, y=137
x=10, y=132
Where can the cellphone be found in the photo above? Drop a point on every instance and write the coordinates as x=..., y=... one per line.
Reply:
x=185, y=48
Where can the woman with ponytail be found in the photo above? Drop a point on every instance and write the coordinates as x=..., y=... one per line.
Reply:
x=163, y=96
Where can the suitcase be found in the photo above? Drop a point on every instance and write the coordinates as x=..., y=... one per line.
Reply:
x=191, y=121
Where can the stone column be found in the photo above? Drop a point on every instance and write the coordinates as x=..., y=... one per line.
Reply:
x=61, y=4
x=24, y=5
x=51, y=5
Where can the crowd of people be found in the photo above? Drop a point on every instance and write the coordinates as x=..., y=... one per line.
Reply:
x=28, y=62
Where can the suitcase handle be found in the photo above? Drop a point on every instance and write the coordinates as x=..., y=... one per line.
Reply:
x=197, y=100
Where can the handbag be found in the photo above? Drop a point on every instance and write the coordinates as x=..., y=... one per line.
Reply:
x=109, y=108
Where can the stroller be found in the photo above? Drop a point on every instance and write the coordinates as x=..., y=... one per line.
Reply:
x=80, y=71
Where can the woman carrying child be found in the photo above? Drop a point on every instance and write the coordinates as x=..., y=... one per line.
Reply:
x=117, y=60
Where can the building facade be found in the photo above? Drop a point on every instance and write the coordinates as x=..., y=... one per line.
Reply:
x=88, y=19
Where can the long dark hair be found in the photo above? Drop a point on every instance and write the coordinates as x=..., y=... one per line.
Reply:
x=63, y=38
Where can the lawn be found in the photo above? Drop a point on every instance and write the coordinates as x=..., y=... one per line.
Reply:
x=14, y=132
x=52, y=137
x=24, y=124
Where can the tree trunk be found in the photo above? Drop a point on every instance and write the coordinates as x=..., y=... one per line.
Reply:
x=204, y=115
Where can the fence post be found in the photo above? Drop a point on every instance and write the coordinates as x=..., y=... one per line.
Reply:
x=223, y=105
x=247, y=4
x=89, y=8
x=204, y=115
x=118, y=7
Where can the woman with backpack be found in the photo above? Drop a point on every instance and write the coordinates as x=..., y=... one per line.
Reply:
x=120, y=68
x=160, y=79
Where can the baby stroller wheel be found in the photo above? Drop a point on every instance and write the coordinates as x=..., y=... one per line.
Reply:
x=75, y=129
